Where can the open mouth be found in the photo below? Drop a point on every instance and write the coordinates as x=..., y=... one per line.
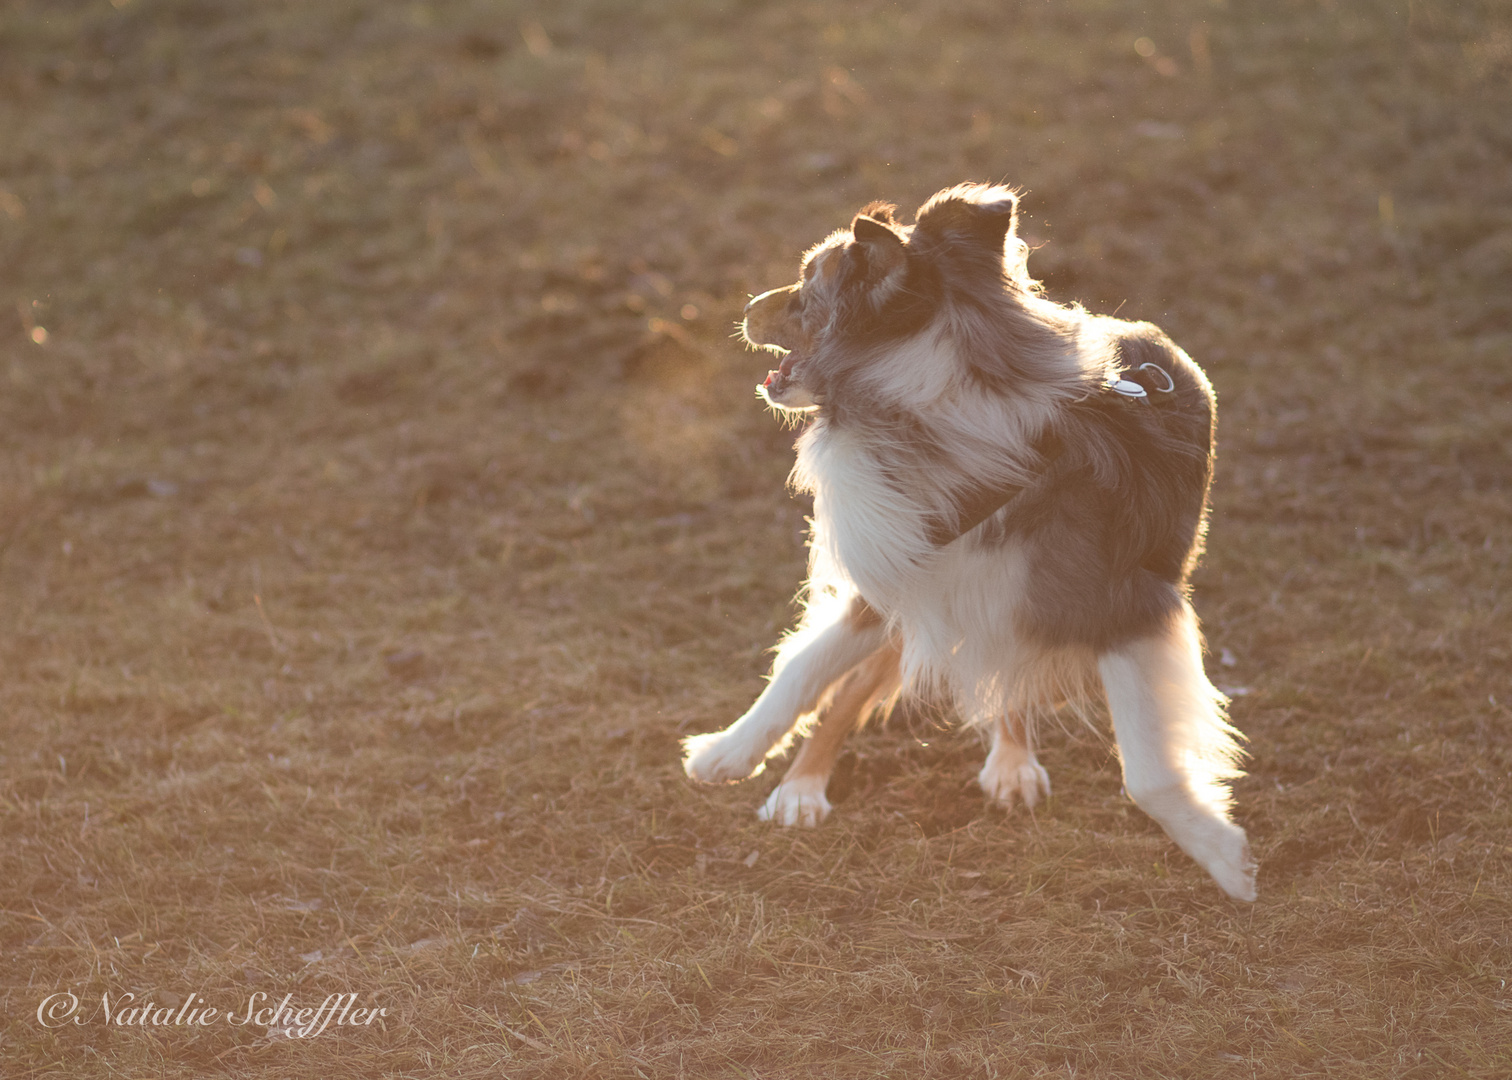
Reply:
x=782, y=372
x=785, y=391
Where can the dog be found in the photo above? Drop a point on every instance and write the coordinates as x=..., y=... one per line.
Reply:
x=1010, y=495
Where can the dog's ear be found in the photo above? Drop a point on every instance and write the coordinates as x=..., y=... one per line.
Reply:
x=880, y=250
x=868, y=229
x=986, y=214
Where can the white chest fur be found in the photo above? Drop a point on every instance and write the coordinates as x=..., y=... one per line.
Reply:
x=954, y=607
x=868, y=529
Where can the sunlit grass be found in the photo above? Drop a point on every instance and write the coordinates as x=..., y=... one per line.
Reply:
x=383, y=498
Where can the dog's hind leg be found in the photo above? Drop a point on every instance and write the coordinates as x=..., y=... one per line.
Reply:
x=806, y=666
x=1178, y=751
x=1012, y=771
x=799, y=799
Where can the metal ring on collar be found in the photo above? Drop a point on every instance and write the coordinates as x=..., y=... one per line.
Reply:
x=1170, y=382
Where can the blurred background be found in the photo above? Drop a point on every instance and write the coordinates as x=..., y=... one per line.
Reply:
x=382, y=496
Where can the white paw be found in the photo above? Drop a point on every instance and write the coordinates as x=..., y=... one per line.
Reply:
x=798, y=801
x=1226, y=855
x=1215, y=843
x=718, y=758
x=1011, y=772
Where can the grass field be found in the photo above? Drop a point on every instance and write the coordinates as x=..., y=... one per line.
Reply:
x=382, y=498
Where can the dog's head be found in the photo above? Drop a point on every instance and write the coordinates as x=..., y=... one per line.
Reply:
x=879, y=283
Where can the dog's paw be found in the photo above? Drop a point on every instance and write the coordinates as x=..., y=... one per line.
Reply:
x=799, y=801
x=1206, y=834
x=716, y=758
x=1012, y=773
x=1226, y=856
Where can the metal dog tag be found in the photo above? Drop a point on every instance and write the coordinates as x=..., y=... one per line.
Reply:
x=1127, y=388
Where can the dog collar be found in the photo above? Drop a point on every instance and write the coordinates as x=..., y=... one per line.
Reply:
x=981, y=503
x=1133, y=388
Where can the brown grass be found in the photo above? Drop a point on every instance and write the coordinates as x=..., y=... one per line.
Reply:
x=382, y=497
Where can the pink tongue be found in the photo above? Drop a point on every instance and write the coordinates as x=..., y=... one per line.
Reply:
x=784, y=369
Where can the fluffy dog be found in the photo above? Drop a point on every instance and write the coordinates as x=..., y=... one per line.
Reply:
x=1009, y=498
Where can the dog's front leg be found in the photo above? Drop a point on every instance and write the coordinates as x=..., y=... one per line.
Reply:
x=806, y=665
x=799, y=799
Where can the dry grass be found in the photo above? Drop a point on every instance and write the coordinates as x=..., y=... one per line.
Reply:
x=385, y=499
